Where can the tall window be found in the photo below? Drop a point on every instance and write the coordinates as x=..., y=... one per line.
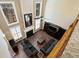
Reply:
x=37, y=9
x=38, y=15
x=37, y=23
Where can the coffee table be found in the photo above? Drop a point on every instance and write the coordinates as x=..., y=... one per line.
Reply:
x=40, y=41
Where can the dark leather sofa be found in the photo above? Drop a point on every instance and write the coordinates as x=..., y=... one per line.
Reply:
x=56, y=32
x=49, y=46
x=29, y=49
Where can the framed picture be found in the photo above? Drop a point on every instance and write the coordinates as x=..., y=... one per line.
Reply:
x=9, y=12
x=28, y=19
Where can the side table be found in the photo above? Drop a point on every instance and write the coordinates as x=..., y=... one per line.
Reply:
x=40, y=54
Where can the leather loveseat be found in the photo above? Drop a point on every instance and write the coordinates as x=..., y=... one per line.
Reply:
x=29, y=49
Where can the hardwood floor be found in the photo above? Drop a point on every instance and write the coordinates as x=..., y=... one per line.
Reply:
x=60, y=46
x=33, y=41
x=72, y=48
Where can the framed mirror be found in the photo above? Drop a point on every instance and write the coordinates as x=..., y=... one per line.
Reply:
x=28, y=19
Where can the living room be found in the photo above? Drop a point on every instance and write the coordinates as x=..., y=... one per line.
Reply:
x=33, y=28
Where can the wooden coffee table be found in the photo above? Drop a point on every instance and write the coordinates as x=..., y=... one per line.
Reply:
x=40, y=41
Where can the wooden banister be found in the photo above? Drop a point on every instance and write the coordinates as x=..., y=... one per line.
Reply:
x=60, y=46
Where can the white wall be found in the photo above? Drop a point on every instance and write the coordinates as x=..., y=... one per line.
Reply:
x=26, y=6
x=4, y=52
x=61, y=12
